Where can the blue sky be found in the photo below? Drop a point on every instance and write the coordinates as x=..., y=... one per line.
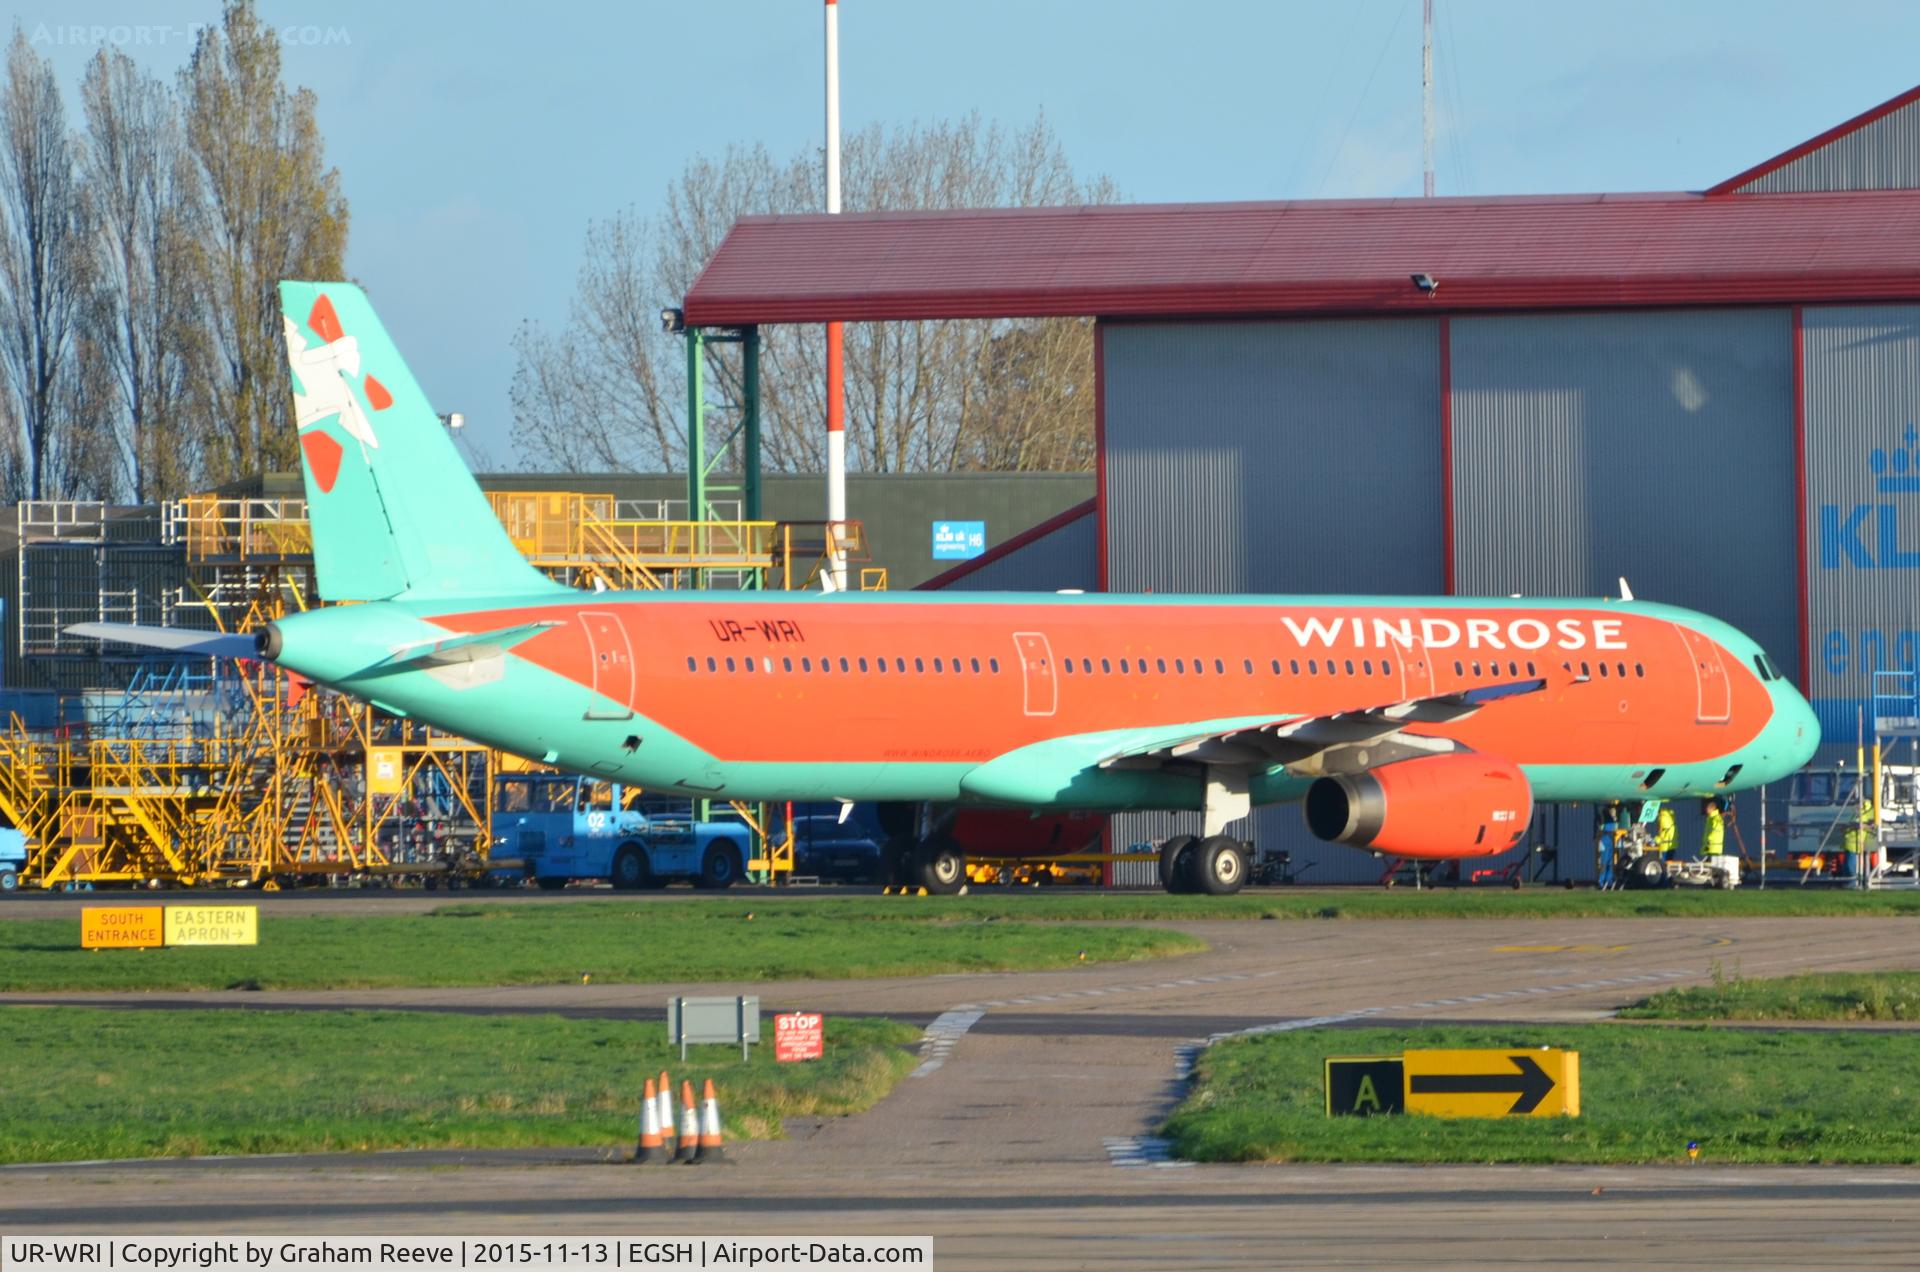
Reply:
x=475, y=142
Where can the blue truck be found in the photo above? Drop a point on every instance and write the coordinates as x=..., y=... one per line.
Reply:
x=557, y=828
x=13, y=857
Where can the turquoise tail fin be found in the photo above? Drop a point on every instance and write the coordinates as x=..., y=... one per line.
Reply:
x=394, y=510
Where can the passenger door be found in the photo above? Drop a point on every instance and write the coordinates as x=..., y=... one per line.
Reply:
x=1042, y=691
x=1713, y=691
x=611, y=655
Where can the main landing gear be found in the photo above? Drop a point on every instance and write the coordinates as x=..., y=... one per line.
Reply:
x=920, y=851
x=1217, y=865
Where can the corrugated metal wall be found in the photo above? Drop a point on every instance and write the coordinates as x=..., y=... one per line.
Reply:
x=1065, y=557
x=1884, y=155
x=1658, y=446
x=1862, y=392
x=1273, y=457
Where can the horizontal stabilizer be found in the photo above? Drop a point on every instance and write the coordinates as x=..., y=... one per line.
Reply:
x=178, y=640
x=460, y=649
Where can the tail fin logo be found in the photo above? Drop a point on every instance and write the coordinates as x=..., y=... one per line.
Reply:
x=323, y=384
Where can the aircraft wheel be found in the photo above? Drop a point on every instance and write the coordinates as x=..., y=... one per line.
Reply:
x=1219, y=867
x=940, y=866
x=721, y=866
x=1176, y=860
x=630, y=869
x=548, y=883
x=1649, y=871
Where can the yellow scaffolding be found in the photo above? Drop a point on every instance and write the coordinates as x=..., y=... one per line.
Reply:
x=302, y=785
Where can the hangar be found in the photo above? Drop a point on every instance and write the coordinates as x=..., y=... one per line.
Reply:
x=1714, y=394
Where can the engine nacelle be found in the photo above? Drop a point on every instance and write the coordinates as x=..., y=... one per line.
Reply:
x=1459, y=805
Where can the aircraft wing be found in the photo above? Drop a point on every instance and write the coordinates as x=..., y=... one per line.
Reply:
x=1298, y=741
x=1050, y=771
x=177, y=640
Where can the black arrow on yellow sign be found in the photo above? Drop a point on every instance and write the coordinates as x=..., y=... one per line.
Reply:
x=1530, y=1083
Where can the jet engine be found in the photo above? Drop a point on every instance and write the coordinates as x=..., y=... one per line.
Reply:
x=1459, y=805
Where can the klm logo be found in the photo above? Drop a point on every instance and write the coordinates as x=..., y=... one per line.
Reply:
x=1867, y=535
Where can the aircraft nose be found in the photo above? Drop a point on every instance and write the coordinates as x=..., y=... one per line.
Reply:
x=1797, y=727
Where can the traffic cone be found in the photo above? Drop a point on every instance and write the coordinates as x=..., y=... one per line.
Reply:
x=689, y=1127
x=664, y=1103
x=650, y=1150
x=711, y=1147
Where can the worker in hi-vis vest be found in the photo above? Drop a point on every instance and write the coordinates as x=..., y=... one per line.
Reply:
x=1855, y=841
x=1713, y=837
x=1666, y=835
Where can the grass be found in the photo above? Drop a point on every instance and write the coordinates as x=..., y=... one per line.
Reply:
x=494, y=944
x=1886, y=996
x=1744, y=1095
x=1437, y=903
x=85, y=1083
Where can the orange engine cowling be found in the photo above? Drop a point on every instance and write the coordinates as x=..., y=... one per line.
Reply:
x=1459, y=805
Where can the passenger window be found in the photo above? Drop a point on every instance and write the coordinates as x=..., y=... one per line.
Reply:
x=691, y=665
x=1086, y=666
x=746, y=664
x=879, y=665
x=1620, y=669
x=730, y=666
x=1530, y=670
x=1293, y=665
x=1180, y=666
x=1276, y=666
x=786, y=664
x=1123, y=666
x=1585, y=670
x=1068, y=664
x=806, y=664
x=1160, y=665
x=710, y=663
x=1247, y=663
x=1349, y=666
x=1458, y=670
x=1219, y=667
x=1140, y=665
x=863, y=664
x=843, y=665
x=1366, y=665
x=993, y=664
x=976, y=665
x=1106, y=668
x=1603, y=671
x=900, y=665
x=1313, y=666
x=937, y=666
x=1639, y=669
x=919, y=665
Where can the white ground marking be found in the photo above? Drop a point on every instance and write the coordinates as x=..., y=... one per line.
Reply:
x=943, y=1034
x=1141, y=1150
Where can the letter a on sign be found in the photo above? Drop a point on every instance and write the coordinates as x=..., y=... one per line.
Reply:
x=1361, y=1086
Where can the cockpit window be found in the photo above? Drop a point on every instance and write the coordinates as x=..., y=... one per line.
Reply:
x=1765, y=667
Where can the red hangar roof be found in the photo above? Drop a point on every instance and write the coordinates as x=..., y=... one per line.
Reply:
x=1333, y=256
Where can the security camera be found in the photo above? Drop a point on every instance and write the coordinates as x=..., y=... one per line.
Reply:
x=1426, y=283
x=673, y=321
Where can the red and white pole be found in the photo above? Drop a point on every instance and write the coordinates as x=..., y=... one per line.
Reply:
x=836, y=385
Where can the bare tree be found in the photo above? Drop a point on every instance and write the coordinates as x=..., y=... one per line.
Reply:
x=609, y=391
x=144, y=315
x=273, y=210
x=44, y=269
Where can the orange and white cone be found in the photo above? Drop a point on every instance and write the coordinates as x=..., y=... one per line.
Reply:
x=712, y=1149
x=689, y=1127
x=650, y=1151
x=663, y=1102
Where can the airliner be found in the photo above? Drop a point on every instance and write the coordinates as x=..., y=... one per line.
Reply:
x=1418, y=727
